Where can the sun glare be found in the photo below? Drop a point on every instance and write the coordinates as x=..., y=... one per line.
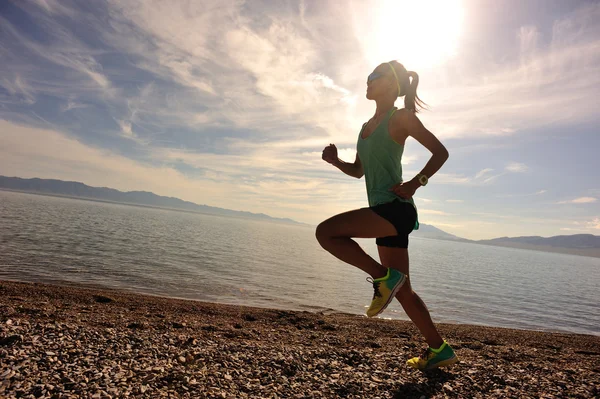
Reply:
x=419, y=33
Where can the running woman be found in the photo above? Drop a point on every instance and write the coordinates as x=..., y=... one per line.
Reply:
x=391, y=215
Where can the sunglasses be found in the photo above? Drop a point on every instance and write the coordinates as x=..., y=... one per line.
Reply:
x=374, y=75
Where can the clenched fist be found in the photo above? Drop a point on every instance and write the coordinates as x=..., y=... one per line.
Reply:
x=330, y=154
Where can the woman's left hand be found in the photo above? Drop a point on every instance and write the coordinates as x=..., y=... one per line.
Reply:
x=406, y=190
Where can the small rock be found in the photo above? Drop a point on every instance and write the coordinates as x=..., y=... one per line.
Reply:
x=5, y=341
x=136, y=326
x=102, y=299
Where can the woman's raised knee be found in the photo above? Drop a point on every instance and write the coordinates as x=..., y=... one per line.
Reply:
x=322, y=232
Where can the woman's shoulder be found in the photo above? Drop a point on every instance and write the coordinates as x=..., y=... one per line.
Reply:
x=403, y=114
x=405, y=119
x=399, y=124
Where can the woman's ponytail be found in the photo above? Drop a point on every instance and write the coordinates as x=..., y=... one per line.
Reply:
x=411, y=99
x=408, y=82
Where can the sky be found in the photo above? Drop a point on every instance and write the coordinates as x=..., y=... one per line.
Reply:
x=230, y=103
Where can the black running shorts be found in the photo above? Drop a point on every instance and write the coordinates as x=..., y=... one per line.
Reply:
x=403, y=216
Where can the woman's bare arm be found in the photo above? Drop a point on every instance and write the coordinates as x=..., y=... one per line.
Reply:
x=354, y=169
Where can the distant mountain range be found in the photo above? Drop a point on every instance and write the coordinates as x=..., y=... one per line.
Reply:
x=429, y=231
x=575, y=244
x=80, y=190
x=578, y=244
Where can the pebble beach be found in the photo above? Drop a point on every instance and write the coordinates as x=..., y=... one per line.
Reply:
x=82, y=342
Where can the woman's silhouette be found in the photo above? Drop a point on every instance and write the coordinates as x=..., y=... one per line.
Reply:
x=391, y=215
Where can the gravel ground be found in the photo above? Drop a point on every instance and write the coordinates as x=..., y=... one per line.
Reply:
x=72, y=342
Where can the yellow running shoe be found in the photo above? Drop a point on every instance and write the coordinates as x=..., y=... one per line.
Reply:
x=434, y=358
x=385, y=290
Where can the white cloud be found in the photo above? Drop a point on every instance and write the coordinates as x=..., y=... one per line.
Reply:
x=493, y=215
x=516, y=167
x=247, y=71
x=441, y=224
x=33, y=152
x=580, y=200
x=72, y=105
x=529, y=37
x=523, y=90
x=541, y=192
x=309, y=190
x=126, y=128
x=451, y=178
x=492, y=178
x=55, y=7
x=62, y=48
x=594, y=224
x=455, y=201
x=483, y=172
x=433, y=212
x=19, y=87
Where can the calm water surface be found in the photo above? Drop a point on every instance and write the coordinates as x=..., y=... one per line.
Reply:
x=265, y=264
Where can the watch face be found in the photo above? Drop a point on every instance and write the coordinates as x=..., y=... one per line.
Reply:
x=423, y=179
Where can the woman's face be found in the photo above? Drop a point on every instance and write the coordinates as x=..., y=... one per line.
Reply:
x=380, y=82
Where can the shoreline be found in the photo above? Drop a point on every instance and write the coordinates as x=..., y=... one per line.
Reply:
x=65, y=341
x=310, y=309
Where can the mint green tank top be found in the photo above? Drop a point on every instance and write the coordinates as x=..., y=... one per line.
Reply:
x=381, y=158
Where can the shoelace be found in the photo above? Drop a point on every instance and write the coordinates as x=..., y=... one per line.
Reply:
x=427, y=354
x=375, y=287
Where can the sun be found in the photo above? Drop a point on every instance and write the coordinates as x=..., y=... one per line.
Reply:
x=421, y=34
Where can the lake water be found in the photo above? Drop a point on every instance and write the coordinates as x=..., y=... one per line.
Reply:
x=265, y=264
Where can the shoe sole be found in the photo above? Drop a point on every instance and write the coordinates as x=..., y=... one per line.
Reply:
x=392, y=296
x=445, y=363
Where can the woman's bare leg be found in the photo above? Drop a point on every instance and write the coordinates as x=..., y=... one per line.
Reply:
x=334, y=235
x=414, y=307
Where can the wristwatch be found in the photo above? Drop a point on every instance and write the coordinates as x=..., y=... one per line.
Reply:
x=422, y=179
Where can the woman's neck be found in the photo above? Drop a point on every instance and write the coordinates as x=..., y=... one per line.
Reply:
x=383, y=106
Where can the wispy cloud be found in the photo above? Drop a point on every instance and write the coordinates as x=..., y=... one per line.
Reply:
x=72, y=105
x=55, y=7
x=537, y=193
x=242, y=182
x=434, y=212
x=502, y=98
x=19, y=88
x=61, y=48
x=580, y=200
x=594, y=224
x=483, y=172
x=443, y=224
x=484, y=175
x=126, y=128
x=451, y=178
x=492, y=178
x=516, y=167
